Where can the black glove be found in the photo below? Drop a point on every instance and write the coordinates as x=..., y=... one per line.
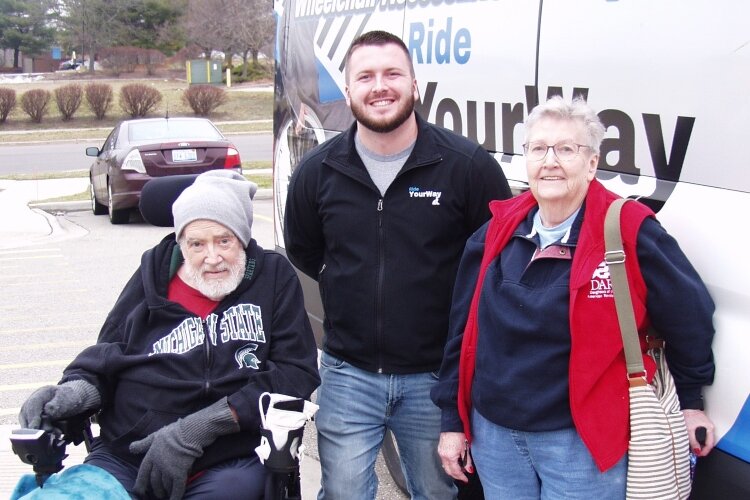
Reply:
x=172, y=450
x=58, y=402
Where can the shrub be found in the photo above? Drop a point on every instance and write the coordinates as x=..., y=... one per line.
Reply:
x=190, y=51
x=119, y=60
x=203, y=99
x=99, y=98
x=137, y=99
x=7, y=103
x=255, y=71
x=151, y=59
x=34, y=103
x=68, y=99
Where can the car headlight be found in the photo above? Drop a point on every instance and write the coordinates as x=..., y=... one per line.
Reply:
x=133, y=162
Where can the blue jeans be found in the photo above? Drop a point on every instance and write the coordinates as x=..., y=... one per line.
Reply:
x=237, y=478
x=356, y=408
x=540, y=465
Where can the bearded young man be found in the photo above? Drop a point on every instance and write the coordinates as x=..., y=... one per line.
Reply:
x=379, y=216
x=208, y=323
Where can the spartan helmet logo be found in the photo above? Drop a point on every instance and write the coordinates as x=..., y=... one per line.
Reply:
x=245, y=357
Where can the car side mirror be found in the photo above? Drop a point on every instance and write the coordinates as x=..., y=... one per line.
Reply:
x=92, y=151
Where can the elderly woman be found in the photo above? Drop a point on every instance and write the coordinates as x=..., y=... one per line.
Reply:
x=546, y=412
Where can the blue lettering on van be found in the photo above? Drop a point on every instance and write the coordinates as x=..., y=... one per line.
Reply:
x=331, y=8
x=737, y=440
x=427, y=46
x=617, y=156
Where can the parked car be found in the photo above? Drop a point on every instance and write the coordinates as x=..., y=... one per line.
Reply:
x=137, y=150
x=69, y=65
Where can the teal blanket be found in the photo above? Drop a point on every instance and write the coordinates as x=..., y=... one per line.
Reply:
x=79, y=482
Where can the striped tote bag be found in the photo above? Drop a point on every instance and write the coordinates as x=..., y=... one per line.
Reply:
x=659, y=450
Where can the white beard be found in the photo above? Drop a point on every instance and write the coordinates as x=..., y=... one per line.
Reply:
x=217, y=289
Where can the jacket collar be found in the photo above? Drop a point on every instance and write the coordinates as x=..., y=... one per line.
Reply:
x=344, y=157
x=526, y=230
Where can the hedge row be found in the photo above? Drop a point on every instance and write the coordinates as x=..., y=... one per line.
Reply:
x=135, y=99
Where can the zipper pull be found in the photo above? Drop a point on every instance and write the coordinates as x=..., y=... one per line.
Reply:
x=380, y=205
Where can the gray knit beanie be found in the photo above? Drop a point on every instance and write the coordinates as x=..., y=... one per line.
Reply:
x=222, y=196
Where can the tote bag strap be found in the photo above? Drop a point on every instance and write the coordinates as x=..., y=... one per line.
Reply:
x=614, y=256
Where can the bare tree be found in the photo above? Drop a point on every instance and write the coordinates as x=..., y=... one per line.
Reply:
x=206, y=24
x=93, y=24
x=252, y=28
x=234, y=26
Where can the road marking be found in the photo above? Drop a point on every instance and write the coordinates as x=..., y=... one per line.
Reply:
x=24, y=307
x=23, y=387
x=35, y=250
x=23, y=315
x=263, y=217
x=43, y=345
x=38, y=257
x=28, y=276
x=49, y=329
x=37, y=283
x=35, y=364
x=46, y=292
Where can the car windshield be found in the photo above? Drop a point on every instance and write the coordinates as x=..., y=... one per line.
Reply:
x=162, y=130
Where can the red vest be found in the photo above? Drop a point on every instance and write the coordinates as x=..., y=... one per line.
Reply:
x=597, y=375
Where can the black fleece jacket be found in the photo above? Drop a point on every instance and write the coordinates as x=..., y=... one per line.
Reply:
x=386, y=264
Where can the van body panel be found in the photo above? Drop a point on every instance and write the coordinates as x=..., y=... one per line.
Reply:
x=669, y=78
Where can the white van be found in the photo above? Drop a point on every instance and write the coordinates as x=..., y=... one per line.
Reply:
x=671, y=81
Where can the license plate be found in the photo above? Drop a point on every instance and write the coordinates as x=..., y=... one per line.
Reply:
x=184, y=155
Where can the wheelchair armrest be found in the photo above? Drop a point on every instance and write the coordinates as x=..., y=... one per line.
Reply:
x=45, y=450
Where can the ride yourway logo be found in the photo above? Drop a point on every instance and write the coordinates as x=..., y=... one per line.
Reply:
x=415, y=192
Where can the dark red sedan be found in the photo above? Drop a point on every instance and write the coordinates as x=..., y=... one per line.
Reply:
x=140, y=149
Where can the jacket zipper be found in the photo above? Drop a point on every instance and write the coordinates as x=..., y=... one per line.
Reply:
x=207, y=350
x=379, y=288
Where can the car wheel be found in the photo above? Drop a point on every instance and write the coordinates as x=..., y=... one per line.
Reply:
x=116, y=216
x=393, y=461
x=96, y=207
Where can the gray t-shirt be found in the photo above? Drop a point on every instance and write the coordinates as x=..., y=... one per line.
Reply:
x=382, y=169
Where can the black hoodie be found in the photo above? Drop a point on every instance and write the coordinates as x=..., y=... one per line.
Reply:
x=153, y=364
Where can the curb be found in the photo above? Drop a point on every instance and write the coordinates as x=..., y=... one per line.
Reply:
x=80, y=206
x=62, y=206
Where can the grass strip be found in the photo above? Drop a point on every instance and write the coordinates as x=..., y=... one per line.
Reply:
x=74, y=174
x=264, y=181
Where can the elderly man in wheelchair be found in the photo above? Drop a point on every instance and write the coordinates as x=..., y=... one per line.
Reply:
x=188, y=372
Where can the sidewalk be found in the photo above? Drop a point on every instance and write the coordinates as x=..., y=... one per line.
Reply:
x=21, y=225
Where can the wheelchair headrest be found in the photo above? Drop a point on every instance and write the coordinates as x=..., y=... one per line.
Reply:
x=158, y=195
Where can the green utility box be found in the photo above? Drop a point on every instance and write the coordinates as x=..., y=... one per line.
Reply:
x=203, y=71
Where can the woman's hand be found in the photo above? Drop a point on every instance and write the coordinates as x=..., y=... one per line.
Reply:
x=693, y=420
x=454, y=454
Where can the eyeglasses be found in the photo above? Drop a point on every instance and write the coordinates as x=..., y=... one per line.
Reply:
x=565, y=151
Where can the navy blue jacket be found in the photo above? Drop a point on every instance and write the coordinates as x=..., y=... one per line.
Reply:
x=386, y=264
x=523, y=351
x=155, y=362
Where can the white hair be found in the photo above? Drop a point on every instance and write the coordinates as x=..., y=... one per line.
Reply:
x=577, y=110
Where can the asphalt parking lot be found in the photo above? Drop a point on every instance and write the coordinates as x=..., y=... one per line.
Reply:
x=61, y=268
